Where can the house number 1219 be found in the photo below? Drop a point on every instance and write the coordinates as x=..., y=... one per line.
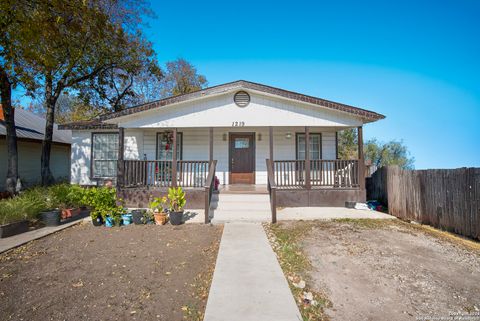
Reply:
x=238, y=123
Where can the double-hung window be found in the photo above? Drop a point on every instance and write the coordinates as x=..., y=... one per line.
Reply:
x=315, y=146
x=104, y=155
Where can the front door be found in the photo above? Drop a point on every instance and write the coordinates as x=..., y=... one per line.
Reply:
x=242, y=158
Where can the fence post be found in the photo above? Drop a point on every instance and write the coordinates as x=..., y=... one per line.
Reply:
x=307, y=158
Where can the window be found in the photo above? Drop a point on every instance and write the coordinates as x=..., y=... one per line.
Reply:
x=242, y=142
x=165, y=148
x=315, y=146
x=104, y=154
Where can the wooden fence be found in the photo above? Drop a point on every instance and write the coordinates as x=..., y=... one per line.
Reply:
x=448, y=199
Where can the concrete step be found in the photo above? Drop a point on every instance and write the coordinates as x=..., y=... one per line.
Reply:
x=240, y=207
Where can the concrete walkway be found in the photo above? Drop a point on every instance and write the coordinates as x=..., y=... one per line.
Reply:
x=248, y=283
x=11, y=242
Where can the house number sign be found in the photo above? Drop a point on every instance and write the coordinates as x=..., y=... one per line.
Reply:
x=238, y=124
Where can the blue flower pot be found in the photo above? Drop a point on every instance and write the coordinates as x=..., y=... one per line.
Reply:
x=127, y=219
x=109, y=221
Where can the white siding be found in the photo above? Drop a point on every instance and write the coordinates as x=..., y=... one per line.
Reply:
x=221, y=111
x=29, y=155
x=196, y=147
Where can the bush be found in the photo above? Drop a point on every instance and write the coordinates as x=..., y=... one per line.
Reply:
x=103, y=203
x=29, y=203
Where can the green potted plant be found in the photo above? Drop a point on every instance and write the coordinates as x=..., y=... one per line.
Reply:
x=51, y=215
x=176, y=202
x=157, y=207
x=103, y=204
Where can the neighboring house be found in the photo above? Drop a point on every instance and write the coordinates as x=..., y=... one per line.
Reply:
x=30, y=132
x=239, y=125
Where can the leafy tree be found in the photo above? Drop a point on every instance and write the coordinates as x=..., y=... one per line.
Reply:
x=66, y=43
x=347, y=144
x=181, y=77
x=12, y=15
x=389, y=153
x=380, y=154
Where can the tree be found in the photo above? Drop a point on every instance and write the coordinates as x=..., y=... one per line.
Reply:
x=347, y=144
x=181, y=77
x=12, y=15
x=389, y=153
x=380, y=154
x=68, y=43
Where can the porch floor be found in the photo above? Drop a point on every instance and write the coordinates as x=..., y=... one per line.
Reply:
x=243, y=189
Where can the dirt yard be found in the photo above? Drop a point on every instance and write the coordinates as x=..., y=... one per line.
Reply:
x=391, y=270
x=96, y=273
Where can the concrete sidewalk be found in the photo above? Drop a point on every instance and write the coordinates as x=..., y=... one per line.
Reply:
x=11, y=242
x=248, y=283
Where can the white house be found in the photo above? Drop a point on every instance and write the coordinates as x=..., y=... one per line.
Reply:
x=239, y=125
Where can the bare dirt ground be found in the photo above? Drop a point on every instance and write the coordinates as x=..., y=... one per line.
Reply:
x=96, y=273
x=391, y=270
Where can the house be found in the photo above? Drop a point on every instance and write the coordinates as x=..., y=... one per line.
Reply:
x=240, y=132
x=30, y=131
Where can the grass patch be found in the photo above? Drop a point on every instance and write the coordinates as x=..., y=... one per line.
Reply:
x=285, y=239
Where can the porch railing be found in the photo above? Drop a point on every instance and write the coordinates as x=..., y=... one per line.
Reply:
x=146, y=173
x=323, y=173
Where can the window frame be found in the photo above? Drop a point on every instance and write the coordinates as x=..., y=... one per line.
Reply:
x=92, y=160
x=320, y=145
x=179, y=139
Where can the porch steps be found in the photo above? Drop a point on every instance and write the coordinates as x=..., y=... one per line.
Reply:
x=240, y=207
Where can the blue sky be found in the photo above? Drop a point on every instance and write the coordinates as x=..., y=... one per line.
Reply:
x=417, y=62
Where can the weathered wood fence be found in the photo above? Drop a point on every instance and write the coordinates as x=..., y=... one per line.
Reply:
x=448, y=199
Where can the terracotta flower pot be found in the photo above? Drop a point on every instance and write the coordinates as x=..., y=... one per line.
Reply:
x=69, y=212
x=160, y=218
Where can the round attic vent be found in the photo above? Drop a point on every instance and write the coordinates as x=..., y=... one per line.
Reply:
x=241, y=98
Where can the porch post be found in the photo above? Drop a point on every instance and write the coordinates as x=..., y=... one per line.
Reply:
x=211, y=145
x=361, y=160
x=270, y=135
x=174, y=158
x=308, y=184
x=120, y=167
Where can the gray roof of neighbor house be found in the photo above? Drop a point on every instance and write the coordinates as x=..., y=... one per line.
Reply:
x=367, y=115
x=32, y=126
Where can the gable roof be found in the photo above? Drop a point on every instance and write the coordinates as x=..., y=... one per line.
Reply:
x=367, y=115
x=31, y=126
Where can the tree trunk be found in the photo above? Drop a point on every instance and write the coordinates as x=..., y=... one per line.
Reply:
x=50, y=101
x=9, y=114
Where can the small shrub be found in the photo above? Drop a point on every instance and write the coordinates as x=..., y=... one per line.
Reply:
x=103, y=203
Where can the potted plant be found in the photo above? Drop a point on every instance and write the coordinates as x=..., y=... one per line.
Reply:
x=157, y=207
x=103, y=204
x=13, y=219
x=137, y=216
x=51, y=216
x=176, y=201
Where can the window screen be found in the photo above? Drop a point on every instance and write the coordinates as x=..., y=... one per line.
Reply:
x=104, y=154
x=165, y=148
x=315, y=146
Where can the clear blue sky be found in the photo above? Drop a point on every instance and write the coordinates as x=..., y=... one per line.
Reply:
x=417, y=62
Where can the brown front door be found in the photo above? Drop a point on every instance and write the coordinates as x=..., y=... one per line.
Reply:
x=242, y=158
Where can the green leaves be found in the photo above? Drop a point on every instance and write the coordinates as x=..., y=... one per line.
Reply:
x=176, y=199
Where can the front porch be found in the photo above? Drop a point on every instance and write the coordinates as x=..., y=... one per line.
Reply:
x=290, y=182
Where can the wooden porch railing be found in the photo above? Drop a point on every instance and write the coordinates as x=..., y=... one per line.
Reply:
x=323, y=173
x=145, y=173
x=209, y=188
x=272, y=190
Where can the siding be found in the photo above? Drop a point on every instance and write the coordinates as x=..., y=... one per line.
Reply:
x=29, y=154
x=221, y=111
x=196, y=147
